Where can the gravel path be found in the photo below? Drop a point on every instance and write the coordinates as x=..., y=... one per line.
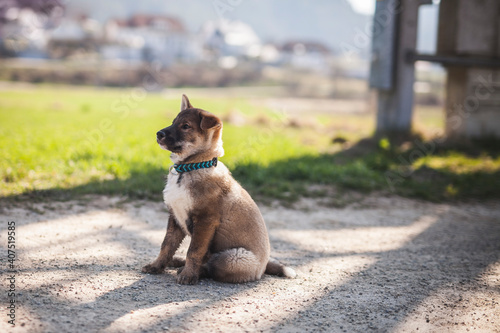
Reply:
x=377, y=265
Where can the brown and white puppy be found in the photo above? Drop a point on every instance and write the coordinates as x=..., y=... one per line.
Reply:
x=229, y=240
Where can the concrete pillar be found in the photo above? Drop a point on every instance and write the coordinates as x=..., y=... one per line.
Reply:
x=395, y=106
x=471, y=29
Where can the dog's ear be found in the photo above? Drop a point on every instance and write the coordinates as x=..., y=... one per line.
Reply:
x=185, y=104
x=208, y=120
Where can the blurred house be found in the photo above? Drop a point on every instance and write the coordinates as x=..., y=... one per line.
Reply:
x=307, y=55
x=24, y=25
x=229, y=41
x=270, y=54
x=150, y=38
x=75, y=36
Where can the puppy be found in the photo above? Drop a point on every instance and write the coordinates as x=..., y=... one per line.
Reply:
x=229, y=240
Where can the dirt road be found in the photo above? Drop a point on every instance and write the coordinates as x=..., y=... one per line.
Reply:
x=377, y=265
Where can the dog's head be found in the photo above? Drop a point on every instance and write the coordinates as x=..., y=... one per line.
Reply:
x=193, y=131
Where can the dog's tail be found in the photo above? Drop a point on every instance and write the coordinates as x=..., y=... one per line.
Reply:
x=274, y=267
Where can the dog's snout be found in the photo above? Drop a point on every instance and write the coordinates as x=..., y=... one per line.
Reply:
x=160, y=134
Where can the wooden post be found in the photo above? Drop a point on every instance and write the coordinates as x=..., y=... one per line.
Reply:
x=395, y=105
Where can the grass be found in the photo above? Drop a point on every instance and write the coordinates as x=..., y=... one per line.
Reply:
x=62, y=142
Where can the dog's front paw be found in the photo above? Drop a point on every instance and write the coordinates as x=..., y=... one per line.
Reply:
x=152, y=269
x=185, y=277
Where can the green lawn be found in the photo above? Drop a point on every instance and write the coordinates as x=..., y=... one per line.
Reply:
x=61, y=142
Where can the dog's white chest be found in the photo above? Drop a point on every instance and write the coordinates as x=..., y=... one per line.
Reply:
x=179, y=199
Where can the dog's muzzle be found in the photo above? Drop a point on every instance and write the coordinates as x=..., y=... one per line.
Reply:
x=160, y=135
x=166, y=141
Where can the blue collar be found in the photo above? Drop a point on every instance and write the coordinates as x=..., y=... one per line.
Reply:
x=180, y=168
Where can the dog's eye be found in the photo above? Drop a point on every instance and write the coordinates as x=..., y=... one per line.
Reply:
x=185, y=127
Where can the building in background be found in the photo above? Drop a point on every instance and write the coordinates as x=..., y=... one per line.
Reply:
x=75, y=37
x=229, y=42
x=24, y=25
x=150, y=38
x=308, y=55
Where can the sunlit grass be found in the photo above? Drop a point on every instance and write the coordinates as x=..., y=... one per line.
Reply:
x=458, y=163
x=90, y=141
x=63, y=138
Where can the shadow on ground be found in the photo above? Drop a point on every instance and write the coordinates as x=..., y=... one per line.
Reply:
x=391, y=284
x=443, y=262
